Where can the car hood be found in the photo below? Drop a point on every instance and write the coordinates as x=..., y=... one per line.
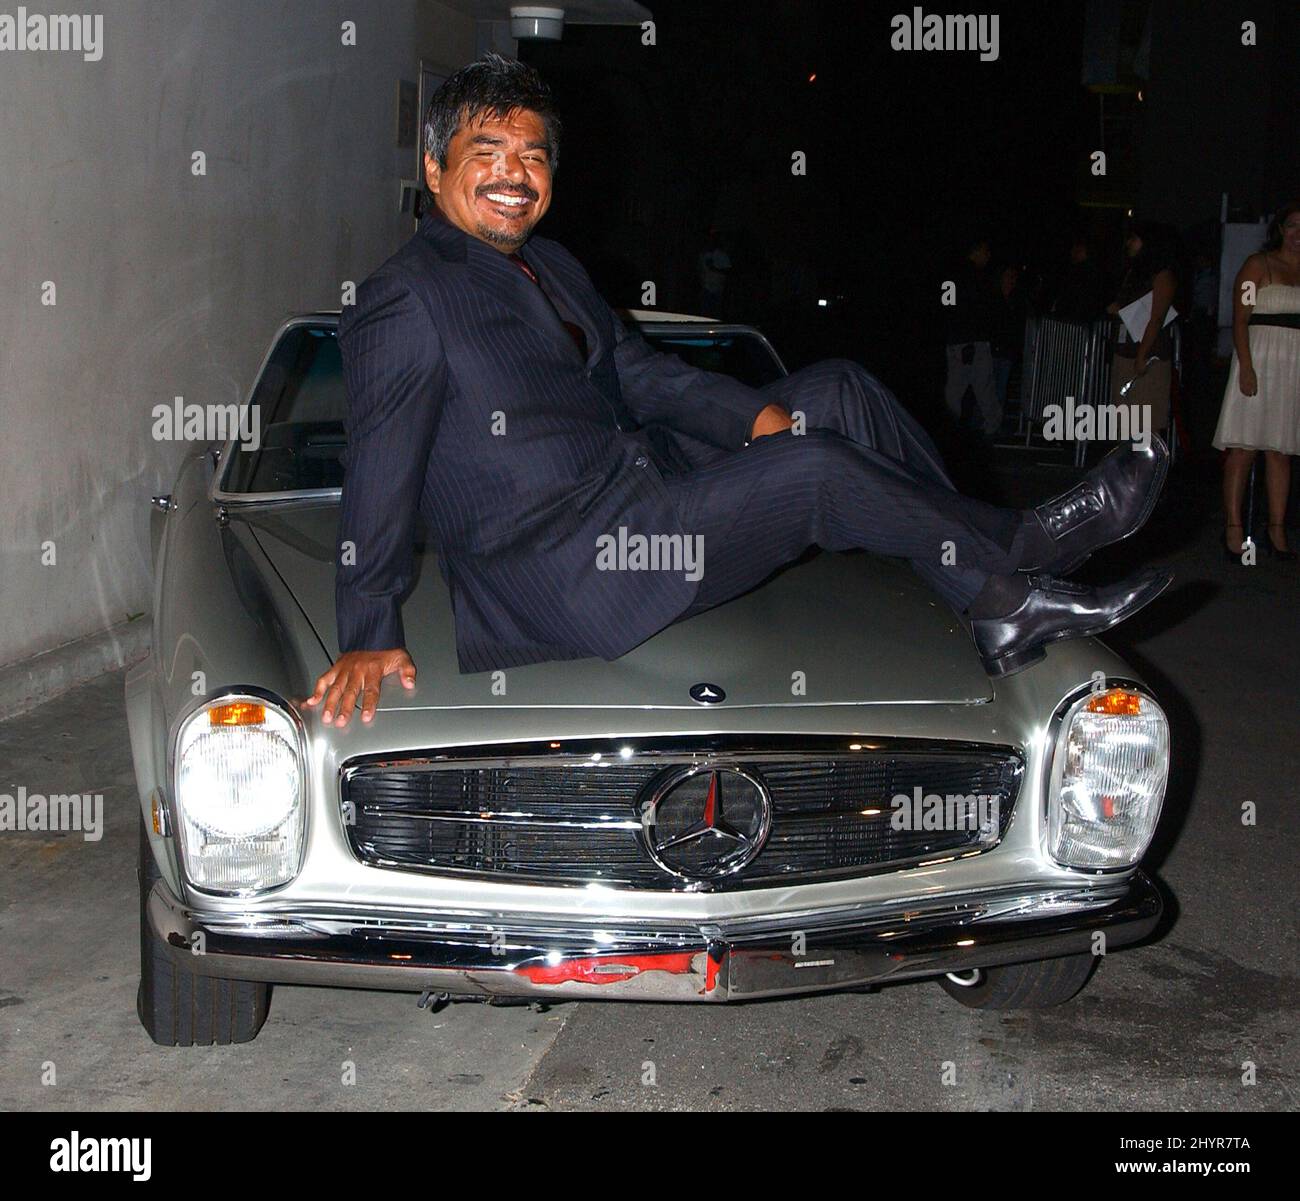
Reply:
x=837, y=629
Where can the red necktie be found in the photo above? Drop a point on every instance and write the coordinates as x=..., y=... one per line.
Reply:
x=575, y=331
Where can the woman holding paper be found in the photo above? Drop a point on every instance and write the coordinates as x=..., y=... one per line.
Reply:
x=1261, y=404
x=1141, y=370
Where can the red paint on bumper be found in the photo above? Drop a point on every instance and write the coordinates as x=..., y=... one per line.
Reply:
x=614, y=969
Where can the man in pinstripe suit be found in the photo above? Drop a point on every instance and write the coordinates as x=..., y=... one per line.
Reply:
x=493, y=390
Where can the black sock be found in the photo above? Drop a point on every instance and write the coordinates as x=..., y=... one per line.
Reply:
x=1001, y=594
x=1037, y=546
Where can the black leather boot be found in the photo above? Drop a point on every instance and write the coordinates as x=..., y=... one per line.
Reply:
x=1056, y=609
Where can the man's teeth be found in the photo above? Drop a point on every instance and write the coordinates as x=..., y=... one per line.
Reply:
x=500, y=198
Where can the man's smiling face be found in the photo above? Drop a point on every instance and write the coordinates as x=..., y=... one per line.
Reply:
x=497, y=182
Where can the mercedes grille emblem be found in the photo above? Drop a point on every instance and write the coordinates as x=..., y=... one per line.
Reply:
x=707, y=694
x=705, y=821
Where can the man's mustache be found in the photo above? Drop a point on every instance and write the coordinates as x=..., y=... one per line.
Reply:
x=500, y=191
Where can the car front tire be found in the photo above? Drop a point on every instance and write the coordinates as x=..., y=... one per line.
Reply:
x=179, y=1008
x=1024, y=985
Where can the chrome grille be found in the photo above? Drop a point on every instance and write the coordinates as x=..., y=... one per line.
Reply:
x=573, y=816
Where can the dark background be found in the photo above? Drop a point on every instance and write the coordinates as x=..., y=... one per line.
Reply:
x=909, y=155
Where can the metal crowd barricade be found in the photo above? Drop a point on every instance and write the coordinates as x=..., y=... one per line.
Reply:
x=1070, y=358
x=1063, y=358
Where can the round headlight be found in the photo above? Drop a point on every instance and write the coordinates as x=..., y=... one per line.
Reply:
x=239, y=795
x=239, y=783
x=1109, y=772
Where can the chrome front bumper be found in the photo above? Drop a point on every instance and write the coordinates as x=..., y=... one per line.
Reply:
x=473, y=955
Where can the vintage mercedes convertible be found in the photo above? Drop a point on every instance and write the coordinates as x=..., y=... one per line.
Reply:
x=813, y=787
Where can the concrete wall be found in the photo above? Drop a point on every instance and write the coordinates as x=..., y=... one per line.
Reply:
x=170, y=284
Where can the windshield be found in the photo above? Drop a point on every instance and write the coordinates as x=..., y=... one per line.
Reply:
x=299, y=407
x=300, y=403
x=742, y=356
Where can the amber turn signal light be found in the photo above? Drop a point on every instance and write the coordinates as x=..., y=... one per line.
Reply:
x=237, y=713
x=1116, y=702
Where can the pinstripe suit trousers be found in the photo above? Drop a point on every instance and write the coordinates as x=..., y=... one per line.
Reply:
x=864, y=474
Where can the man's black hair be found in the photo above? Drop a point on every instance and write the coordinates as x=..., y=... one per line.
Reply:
x=491, y=86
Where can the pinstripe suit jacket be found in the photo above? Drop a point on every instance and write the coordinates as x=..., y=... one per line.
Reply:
x=469, y=404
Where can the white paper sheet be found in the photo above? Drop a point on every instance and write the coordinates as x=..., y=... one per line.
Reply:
x=1136, y=315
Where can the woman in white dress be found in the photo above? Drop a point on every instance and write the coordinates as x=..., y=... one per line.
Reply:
x=1261, y=405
